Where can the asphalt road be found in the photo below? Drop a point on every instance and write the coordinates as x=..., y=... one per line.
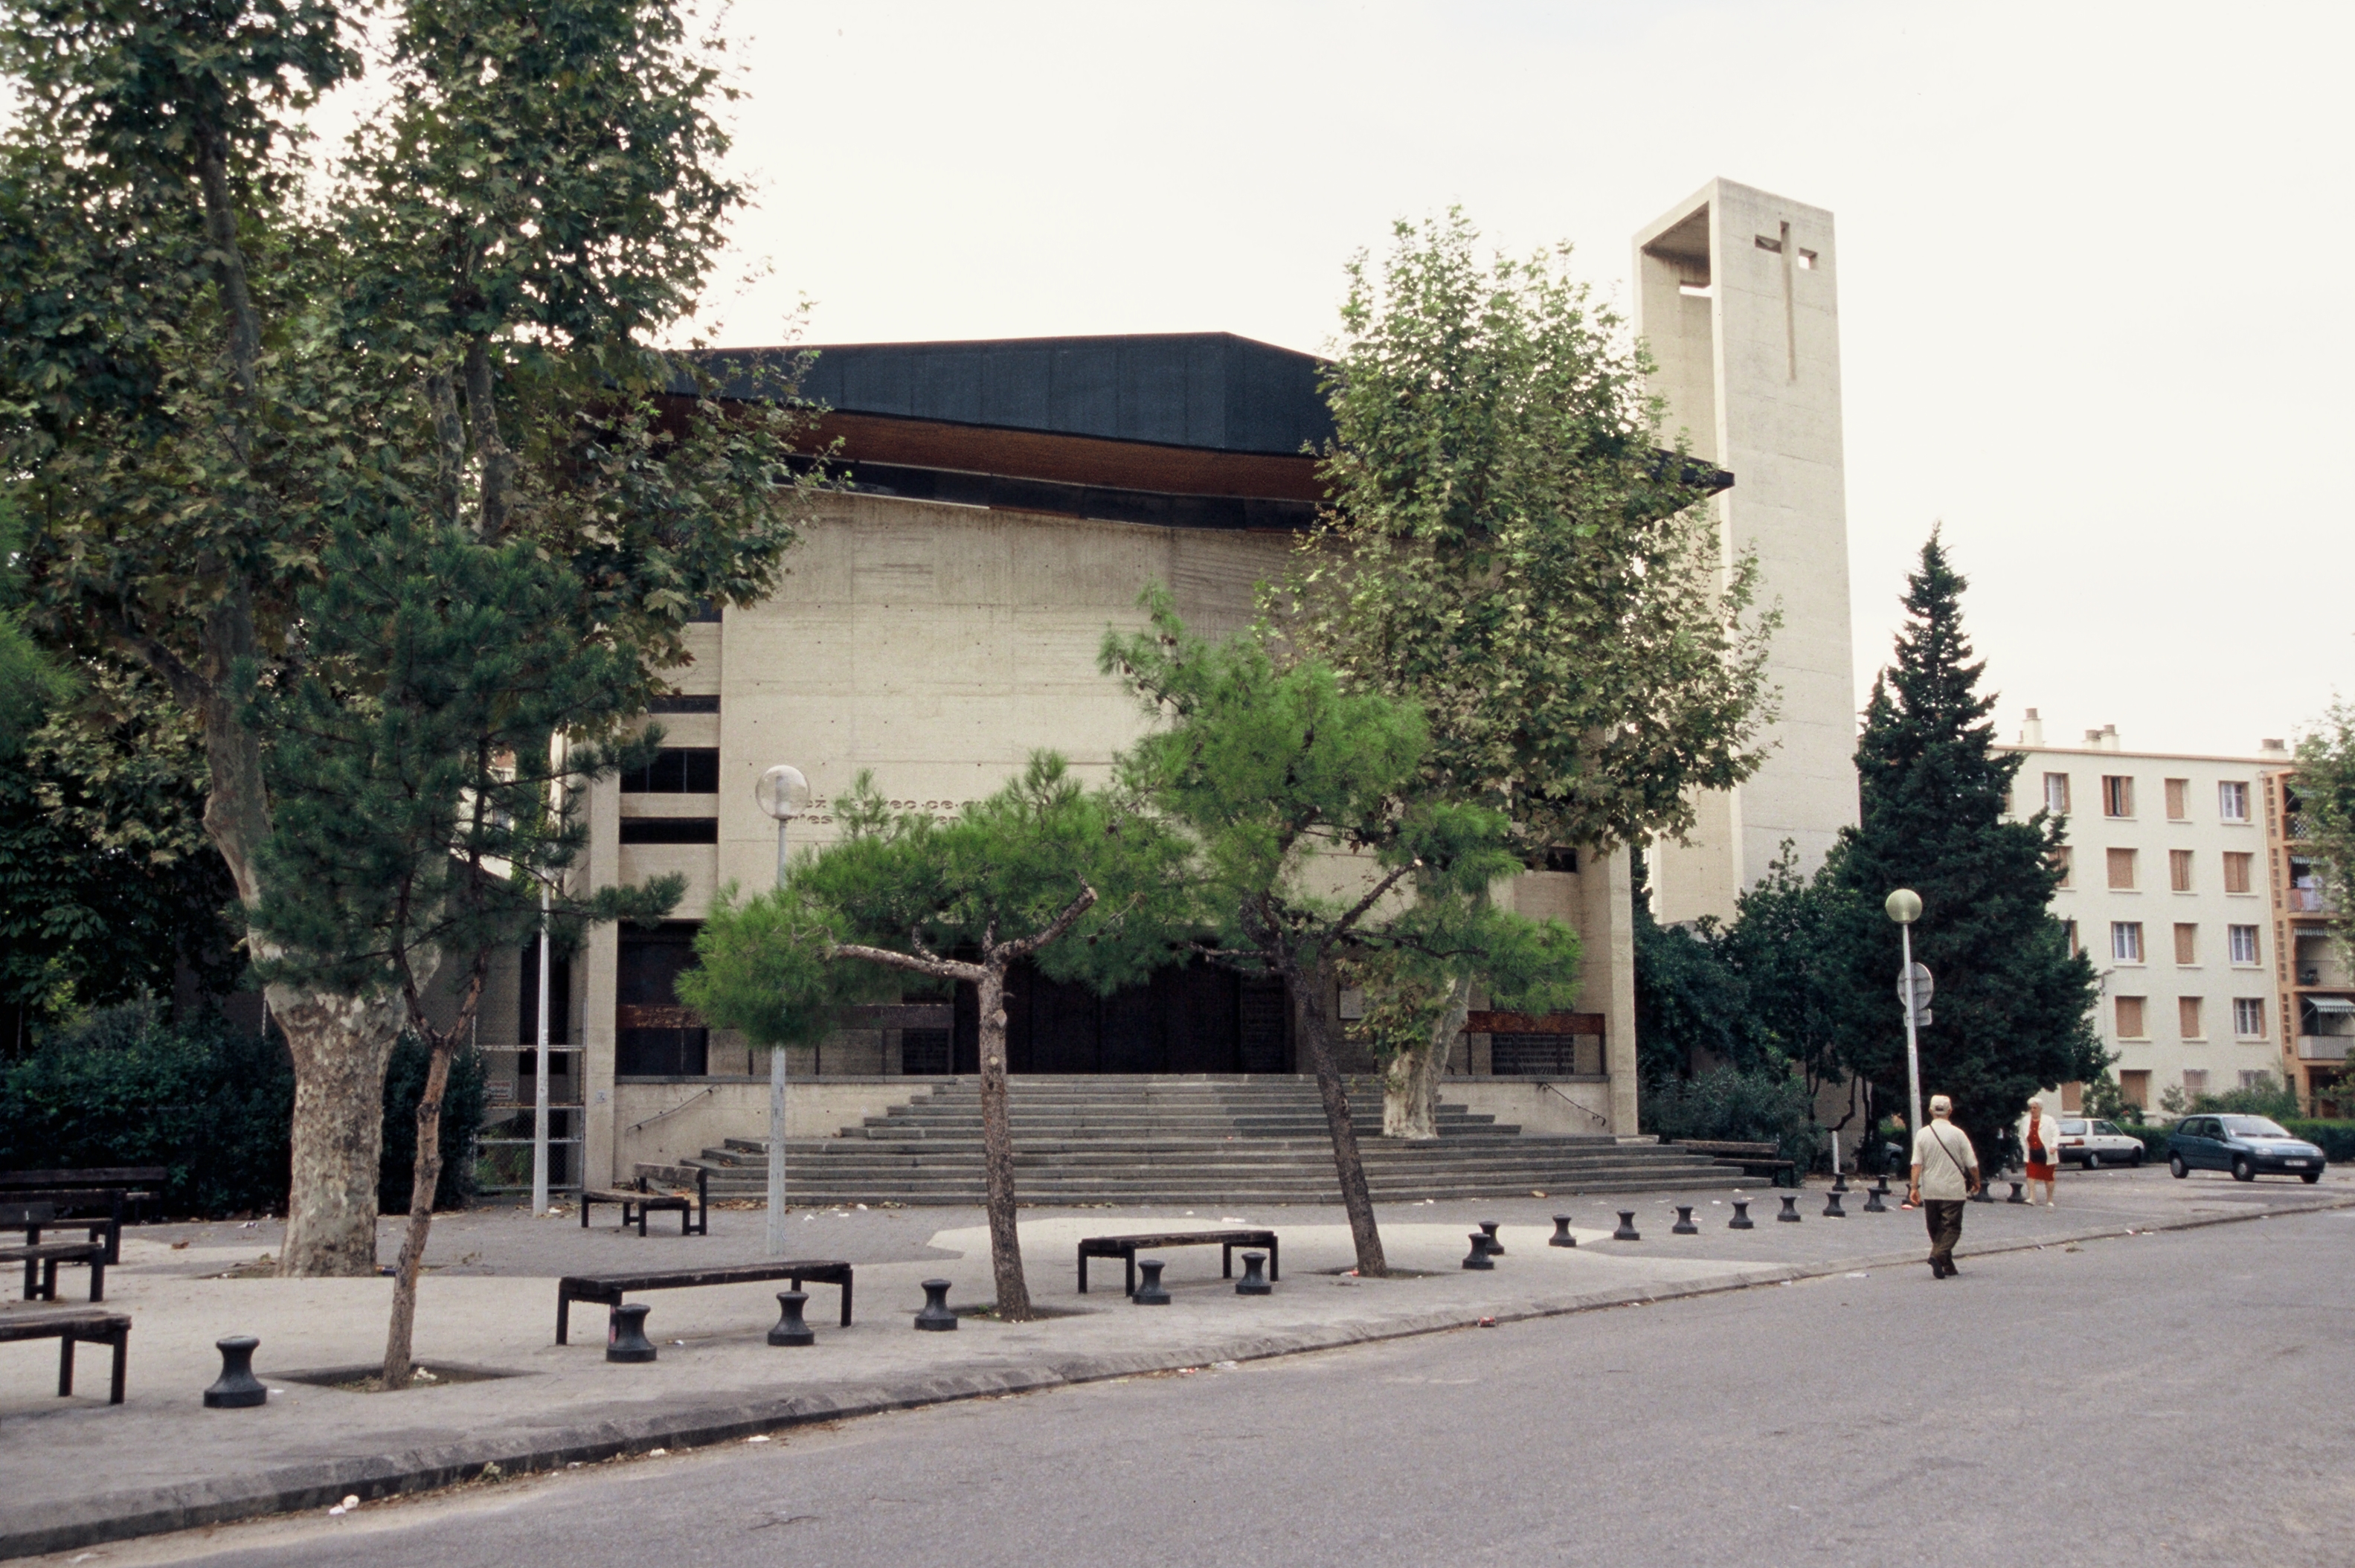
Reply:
x=2186, y=1397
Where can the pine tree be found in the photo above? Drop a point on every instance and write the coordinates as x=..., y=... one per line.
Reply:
x=2013, y=1006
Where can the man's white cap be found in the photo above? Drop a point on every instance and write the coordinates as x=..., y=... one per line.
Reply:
x=1941, y=1106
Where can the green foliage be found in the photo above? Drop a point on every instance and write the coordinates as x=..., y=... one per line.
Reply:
x=2324, y=787
x=2013, y=1006
x=2335, y=1139
x=1507, y=552
x=1691, y=1005
x=2269, y=1096
x=463, y=1098
x=1765, y=1104
x=120, y=1086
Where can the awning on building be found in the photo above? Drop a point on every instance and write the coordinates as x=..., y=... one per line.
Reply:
x=2331, y=1004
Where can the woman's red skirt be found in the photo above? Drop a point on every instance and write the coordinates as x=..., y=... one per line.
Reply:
x=2039, y=1172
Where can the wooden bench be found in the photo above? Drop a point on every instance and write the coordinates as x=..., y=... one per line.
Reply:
x=41, y=1258
x=609, y=1287
x=71, y=1326
x=694, y=1214
x=1125, y=1248
x=1748, y=1156
x=110, y=1188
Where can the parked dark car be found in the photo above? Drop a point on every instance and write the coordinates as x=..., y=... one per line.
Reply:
x=2248, y=1147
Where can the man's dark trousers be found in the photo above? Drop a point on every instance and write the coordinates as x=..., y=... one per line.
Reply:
x=1944, y=1218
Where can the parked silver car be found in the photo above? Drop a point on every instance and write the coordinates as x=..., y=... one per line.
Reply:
x=2093, y=1143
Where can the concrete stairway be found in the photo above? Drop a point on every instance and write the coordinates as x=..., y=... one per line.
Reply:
x=1183, y=1140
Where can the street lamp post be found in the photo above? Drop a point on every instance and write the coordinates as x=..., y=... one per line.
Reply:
x=783, y=793
x=1904, y=907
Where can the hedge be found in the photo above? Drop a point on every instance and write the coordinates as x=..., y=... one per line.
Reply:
x=2335, y=1139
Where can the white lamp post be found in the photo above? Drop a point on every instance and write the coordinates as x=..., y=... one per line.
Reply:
x=783, y=793
x=1904, y=907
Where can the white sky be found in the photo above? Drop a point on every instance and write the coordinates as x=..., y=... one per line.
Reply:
x=2090, y=310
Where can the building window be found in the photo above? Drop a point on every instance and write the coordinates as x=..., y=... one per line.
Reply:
x=2179, y=869
x=2069, y=927
x=2126, y=941
x=670, y=830
x=2056, y=793
x=2242, y=940
x=2133, y=1087
x=2236, y=870
x=2187, y=1018
x=2195, y=1081
x=654, y=1035
x=2117, y=795
x=2122, y=867
x=2232, y=801
x=2254, y=1078
x=676, y=770
x=2186, y=943
x=2064, y=863
x=709, y=703
x=2179, y=800
x=2249, y=1017
x=2130, y=1020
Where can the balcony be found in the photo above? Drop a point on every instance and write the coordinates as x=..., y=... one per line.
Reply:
x=2324, y=1047
x=2308, y=900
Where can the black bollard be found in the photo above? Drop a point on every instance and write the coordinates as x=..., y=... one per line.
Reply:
x=1254, y=1283
x=1832, y=1210
x=1626, y=1230
x=1562, y=1236
x=1150, y=1291
x=1684, y=1225
x=1840, y=1182
x=1740, y=1220
x=1872, y=1203
x=1983, y=1195
x=236, y=1388
x=1488, y=1229
x=936, y=1318
x=1790, y=1214
x=2018, y=1194
x=1478, y=1256
x=625, y=1334
x=789, y=1328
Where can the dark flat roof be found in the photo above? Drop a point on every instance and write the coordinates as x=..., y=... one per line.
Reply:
x=1209, y=390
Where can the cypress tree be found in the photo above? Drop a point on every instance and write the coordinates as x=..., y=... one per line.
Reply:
x=2013, y=1006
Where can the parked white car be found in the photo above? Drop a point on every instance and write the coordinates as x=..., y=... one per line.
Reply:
x=2093, y=1143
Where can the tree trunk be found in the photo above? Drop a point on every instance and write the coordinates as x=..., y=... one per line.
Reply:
x=340, y=1046
x=997, y=1149
x=1317, y=1031
x=400, y=1334
x=1410, y=1079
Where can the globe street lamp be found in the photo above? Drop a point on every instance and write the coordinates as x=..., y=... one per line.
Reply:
x=783, y=794
x=1904, y=907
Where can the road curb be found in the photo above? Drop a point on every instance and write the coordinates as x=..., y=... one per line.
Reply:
x=61, y=1526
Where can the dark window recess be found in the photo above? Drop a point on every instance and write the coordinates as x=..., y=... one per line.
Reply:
x=560, y=1009
x=1543, y=1055
x=1195, y=1018
x=670, y=830
x=707, y=703
x=653, y=1036
x=924, y=1053
x=1557, y=858
x=706, y=611
x=676, y=770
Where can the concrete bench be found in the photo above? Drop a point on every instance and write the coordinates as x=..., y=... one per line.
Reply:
x=41, y=1258
x=694, y=1214
x=1125, y=1248
x=1748, y=1156
x=71, y=1326
x=608, y=1287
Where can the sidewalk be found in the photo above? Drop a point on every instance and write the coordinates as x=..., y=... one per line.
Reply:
x=82, y=1472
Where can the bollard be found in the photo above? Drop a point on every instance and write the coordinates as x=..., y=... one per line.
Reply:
x=1254, y=1283
x=936, y=1318
x=1562, y=1236
x=1740, y=1220
x=789, y=1328
x=1684, y=1225
x=1840, y=1182
x=625, y=1334
x=236, y=1388
x=1832, y=1210
x=1626, y=1230
x=2018, y=1194
x=1478, y=1256
x=1150, y=1291
x=1790, y=1214
x=1488, y=1229
x=1872, y=1203
x=1983, y=1195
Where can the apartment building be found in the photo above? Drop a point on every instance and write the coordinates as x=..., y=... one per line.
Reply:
x=2166, y=889
x=2315, y=992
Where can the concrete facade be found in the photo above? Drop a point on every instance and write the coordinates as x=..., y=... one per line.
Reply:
x=2313, y=985
x=2166, y=894
x=1737, y=296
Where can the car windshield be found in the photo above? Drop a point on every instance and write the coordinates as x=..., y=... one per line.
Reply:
x=2106, y=1127
x=2253, y=1127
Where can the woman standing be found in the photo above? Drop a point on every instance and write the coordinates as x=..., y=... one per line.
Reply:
x=2041, y=1139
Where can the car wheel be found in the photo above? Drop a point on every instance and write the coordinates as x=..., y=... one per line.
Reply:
x=2135, y=1159
x=2309, y=1177
x=2242, y=1170
x=2176, y=1167
x=2093, y=1160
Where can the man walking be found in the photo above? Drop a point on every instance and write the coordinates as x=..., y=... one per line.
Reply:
x=1945, y=1173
